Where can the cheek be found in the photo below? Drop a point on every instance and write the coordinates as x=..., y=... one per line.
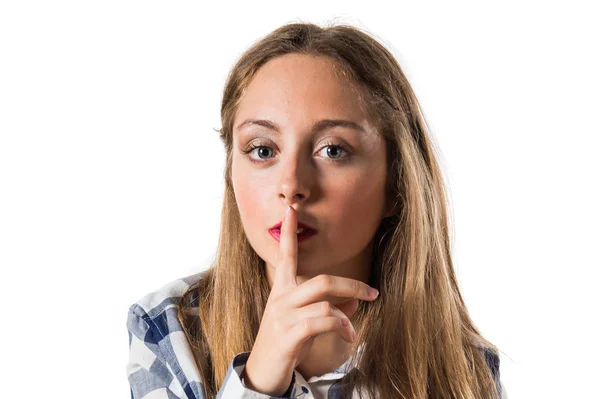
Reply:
x=357, y=203
x=250, y=193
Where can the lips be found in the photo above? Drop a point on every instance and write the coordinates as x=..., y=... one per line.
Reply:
x=300, y=225
x=308, y=232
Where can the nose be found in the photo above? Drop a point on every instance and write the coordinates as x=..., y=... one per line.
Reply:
x=294, y=181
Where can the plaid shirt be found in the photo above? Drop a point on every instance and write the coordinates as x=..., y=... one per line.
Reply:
x=161, y=364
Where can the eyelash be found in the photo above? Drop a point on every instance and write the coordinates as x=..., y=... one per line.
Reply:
x=329, y=144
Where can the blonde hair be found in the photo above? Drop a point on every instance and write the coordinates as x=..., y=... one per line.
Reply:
x=418, y=340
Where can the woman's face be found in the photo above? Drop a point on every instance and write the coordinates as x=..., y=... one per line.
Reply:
x=334, y=177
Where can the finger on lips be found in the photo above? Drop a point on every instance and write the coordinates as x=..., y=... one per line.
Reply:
x=287, y=250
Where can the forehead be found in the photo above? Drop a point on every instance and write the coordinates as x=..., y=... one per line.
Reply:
x=300, y=88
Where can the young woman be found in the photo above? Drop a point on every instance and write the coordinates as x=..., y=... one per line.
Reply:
x=332, y=192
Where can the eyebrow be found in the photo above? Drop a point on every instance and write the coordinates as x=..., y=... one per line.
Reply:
x=317, y=127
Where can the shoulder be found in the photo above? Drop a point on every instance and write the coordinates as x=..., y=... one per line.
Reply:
x=156, y=311
x=159, y=353
x=155, y=303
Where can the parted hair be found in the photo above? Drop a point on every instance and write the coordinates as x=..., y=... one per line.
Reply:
x=417, y=340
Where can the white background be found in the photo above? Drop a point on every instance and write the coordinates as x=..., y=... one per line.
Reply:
x=111, y=173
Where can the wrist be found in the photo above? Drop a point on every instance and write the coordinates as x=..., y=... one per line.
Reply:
x=251, y=382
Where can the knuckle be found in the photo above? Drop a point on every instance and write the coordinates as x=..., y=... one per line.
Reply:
x=306, y=327
x=325, y=281
x=326, y=308
x=360, y=288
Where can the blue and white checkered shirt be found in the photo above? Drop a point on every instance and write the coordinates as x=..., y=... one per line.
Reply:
x=161, y=364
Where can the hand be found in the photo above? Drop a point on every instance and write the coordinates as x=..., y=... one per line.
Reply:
x=295, y=315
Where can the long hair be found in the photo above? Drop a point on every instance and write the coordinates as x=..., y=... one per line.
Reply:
x=417, y=340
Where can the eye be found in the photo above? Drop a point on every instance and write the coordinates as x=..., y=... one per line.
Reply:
x=262, y=150
x=333, y=152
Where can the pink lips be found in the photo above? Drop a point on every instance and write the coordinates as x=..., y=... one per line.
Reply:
x=300, y=224
x=275, y=231
x=305, y=235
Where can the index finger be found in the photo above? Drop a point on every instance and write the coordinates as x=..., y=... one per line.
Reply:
x=287, y=267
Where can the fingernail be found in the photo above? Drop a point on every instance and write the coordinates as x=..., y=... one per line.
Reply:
x=373, y=292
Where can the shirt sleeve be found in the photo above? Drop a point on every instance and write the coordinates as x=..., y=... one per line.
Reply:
x=234, y=387
x=149, y=372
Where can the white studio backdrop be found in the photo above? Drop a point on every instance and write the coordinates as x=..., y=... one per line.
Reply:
x=111, y=172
